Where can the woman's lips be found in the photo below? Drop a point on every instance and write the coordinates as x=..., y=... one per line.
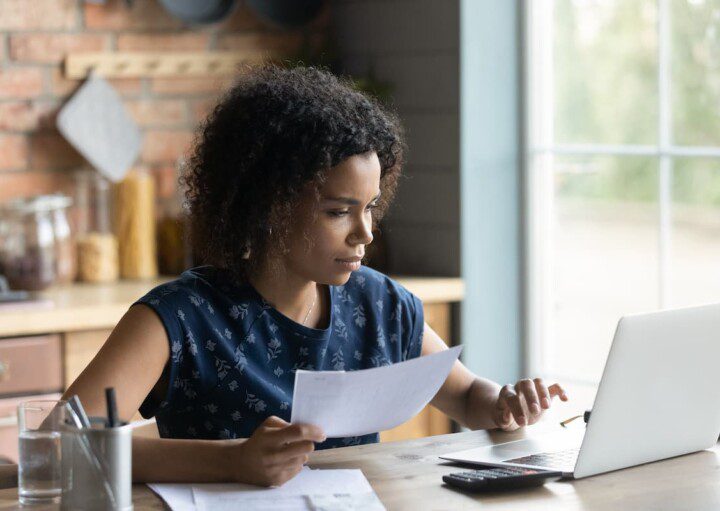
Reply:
x=350, y=264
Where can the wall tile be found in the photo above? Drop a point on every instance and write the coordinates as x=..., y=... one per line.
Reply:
x=183, y=41
x=157, y=112
x=28, y=115
x=433, y=138
x=38, y=14
x=398, y=26
x=13, y=152
x=423, y=249
x=427, y=197
x=52, y=48
x=189, y=86
x=116, y=15
x=420, y=82
x=50, y=151
x=26, y=184
x=20, y=82
x=165, y=146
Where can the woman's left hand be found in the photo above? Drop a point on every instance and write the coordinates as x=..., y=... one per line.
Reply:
x=523, y=404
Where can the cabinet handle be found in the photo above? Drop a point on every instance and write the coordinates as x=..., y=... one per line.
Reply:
x=4, y=370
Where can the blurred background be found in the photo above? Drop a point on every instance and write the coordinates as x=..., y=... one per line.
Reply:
x=562, y=168
x=623, y=118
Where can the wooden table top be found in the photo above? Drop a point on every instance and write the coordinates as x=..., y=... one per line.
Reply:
x=407, y=475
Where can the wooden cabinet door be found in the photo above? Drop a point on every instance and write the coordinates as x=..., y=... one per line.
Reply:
x=430, y=421
x=30, y=365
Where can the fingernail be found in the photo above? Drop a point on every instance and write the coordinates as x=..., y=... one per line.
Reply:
x=535, y=408
x=546, y=402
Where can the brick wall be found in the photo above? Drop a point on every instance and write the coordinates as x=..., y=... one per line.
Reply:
x=35, y=35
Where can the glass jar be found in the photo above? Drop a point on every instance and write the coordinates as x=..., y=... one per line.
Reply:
x=172, y=236
x=97, y=246
x=65, y=249
x=29, y=258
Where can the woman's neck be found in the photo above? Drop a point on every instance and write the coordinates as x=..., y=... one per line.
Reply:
x=295, y=297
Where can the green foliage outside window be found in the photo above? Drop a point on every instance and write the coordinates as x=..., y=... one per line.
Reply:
x=606, y=92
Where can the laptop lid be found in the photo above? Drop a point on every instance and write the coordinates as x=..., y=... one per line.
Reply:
x=659, y=396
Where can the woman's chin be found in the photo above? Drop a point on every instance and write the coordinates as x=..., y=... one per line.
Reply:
x=338, y=279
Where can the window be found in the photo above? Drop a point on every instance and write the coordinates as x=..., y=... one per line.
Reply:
x=622, y=170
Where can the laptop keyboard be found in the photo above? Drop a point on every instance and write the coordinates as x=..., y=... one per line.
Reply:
x=564, y=459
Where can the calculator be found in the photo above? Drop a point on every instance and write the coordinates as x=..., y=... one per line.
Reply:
x=500, y=478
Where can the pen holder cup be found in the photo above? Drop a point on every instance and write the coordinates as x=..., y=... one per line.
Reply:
x=97, y=465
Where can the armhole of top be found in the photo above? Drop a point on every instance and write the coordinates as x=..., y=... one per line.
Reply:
x=150, y=404
x=414, y=347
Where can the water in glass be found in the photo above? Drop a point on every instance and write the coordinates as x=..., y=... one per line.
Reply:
x=40, y=473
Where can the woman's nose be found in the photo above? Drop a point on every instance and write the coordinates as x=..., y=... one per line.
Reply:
x=362, y=235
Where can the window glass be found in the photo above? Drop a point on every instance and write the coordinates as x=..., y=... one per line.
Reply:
x=604, y=256
x=605, y=71
x=695, y=72
x=695, y=254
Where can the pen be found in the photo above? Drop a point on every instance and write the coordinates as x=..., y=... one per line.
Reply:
x=111, y=407
x=585, y=416
x=77, y=407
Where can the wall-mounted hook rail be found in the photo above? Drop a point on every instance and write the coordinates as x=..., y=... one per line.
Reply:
x=160, y=64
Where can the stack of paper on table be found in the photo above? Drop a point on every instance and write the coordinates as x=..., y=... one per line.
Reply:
x=310, y=490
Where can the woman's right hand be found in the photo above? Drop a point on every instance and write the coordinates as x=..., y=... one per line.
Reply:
x=274, y=454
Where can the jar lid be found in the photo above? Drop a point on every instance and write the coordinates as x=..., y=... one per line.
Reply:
x=38, y=204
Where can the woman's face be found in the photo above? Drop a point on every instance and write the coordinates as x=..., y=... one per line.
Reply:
x=339, y=226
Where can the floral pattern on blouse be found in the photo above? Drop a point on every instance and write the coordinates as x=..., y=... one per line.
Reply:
x=233, y=357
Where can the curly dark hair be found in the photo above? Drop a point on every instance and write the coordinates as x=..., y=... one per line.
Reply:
x=276, y=131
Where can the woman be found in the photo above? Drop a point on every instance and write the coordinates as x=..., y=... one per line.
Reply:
x=291, y=172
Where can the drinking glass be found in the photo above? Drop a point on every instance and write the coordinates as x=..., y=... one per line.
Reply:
x=40, y=464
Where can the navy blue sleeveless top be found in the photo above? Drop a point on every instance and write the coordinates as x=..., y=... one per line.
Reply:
x=233, y=356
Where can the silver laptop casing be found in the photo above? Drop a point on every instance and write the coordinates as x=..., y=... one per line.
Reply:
x=658, y=398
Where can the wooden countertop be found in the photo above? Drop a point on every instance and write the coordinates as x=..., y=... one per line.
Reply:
x=100, y=306
x=408, y=475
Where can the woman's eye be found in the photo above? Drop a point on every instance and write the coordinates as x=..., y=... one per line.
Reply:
x=344, y=212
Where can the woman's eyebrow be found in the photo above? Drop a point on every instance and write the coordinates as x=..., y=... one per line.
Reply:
x=348, y=200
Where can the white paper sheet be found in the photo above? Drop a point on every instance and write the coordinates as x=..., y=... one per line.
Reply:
x=360, y=402
x=309, y=490
x=178, y=497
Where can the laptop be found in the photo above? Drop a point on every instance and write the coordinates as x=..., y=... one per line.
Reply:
x=659, y=397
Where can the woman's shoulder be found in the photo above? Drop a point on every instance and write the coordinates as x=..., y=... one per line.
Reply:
x=369, y=279
x=198, y=285
x=372, y=300
x=368, y=284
